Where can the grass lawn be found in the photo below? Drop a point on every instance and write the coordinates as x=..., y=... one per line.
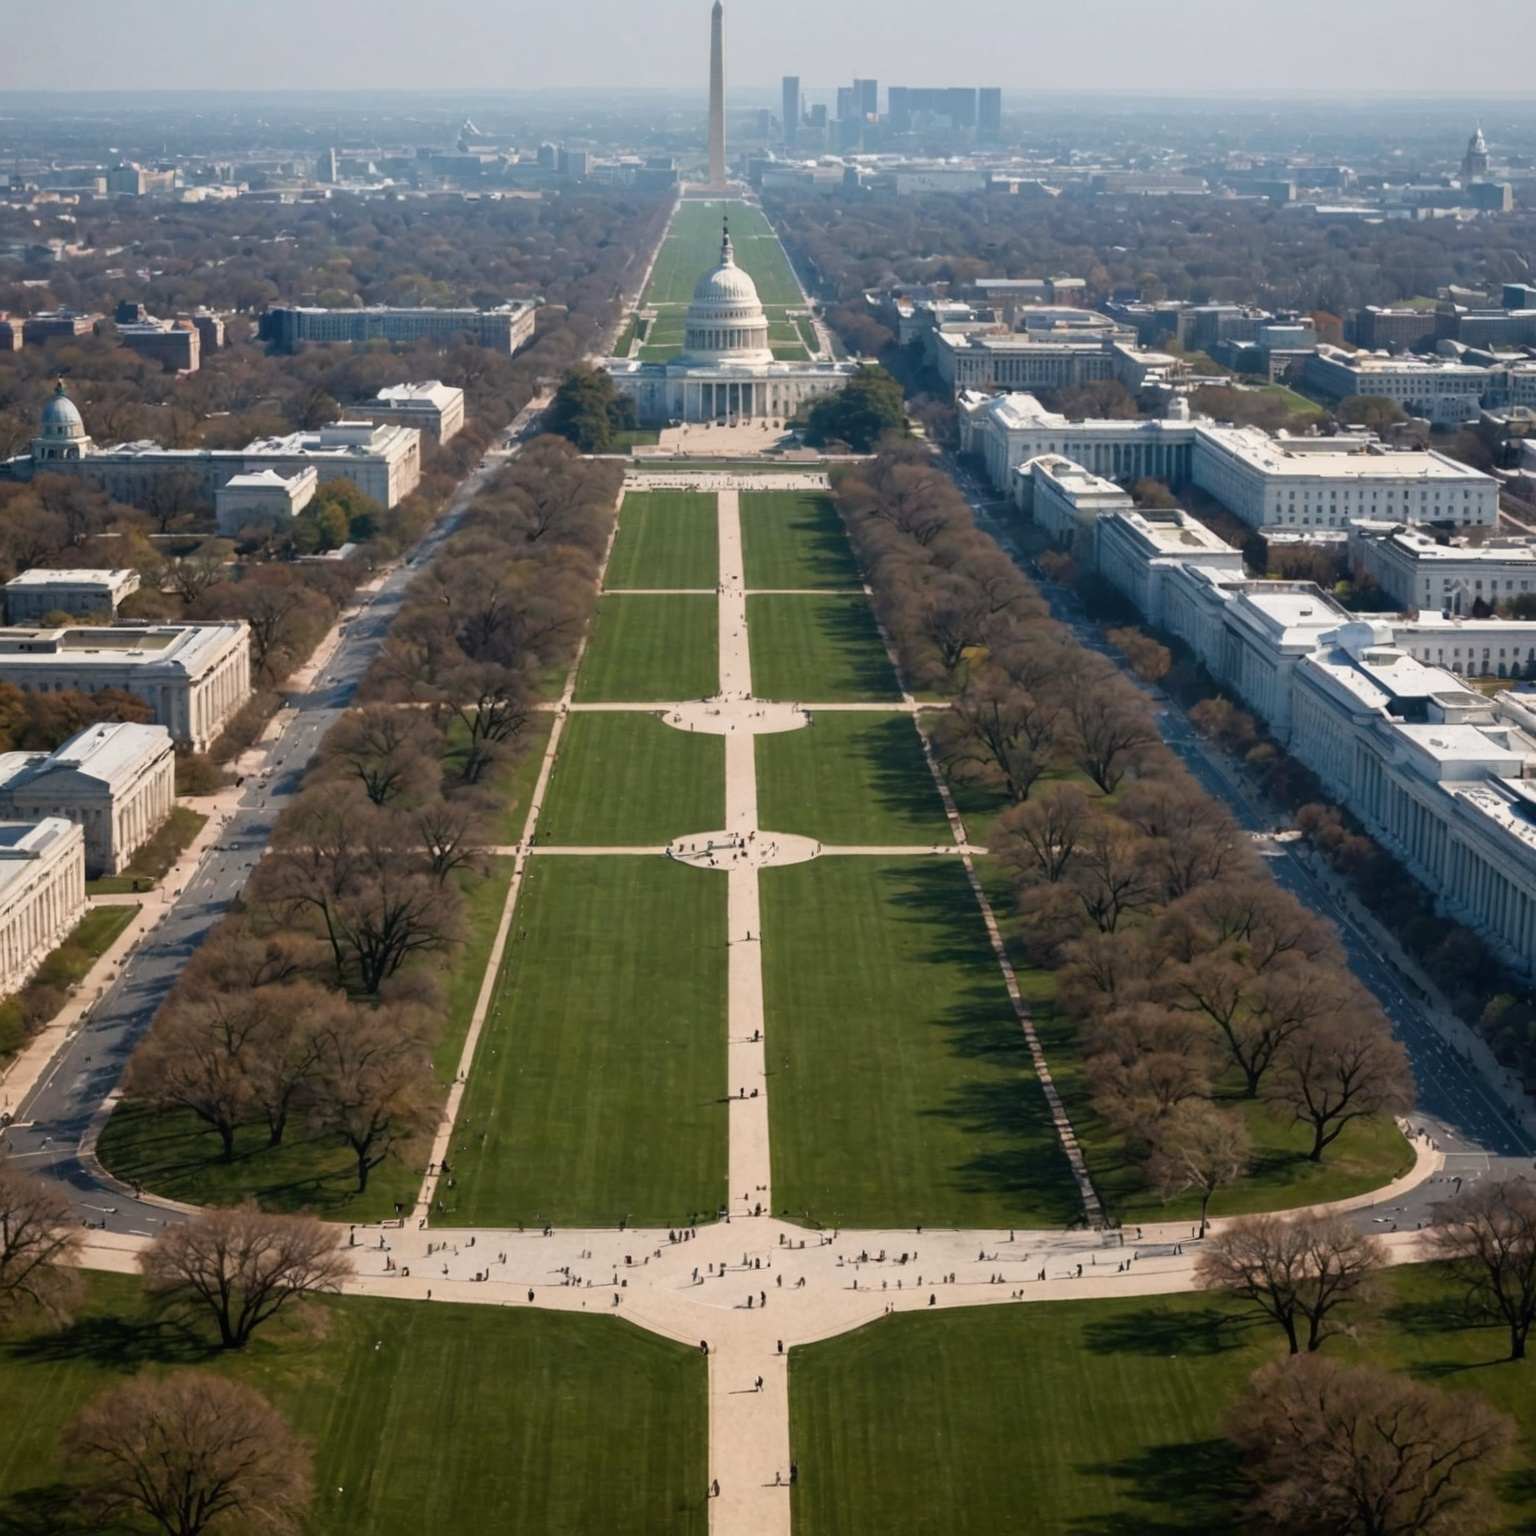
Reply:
x=629, y=778
x=174, y=1154
x=909, y=1097
x=556, y=1422
x=510, y=779
x=634, y=437
x=598, y=1091
x=61, y=969
x=850, y=778
x=692, y=248
x=666, y=539
x=819, y=649
x=651, y=649
x=1091, y=1418
x=789, y=352
x=795, y=539
x=149, y=863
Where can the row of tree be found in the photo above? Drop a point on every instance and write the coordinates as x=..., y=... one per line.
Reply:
x=1191, y=979
x=318, y=1003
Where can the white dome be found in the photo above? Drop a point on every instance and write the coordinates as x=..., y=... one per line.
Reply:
x=726, y=323
x=60, y=417
x=727, y=284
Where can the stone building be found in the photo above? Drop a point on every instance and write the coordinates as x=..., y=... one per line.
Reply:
x=435, y=409
x=263, y=499
x=116, y=781
x=727, y=369
x=42, y=893
x=383, y=461
x=194, y=676
x=33, y=595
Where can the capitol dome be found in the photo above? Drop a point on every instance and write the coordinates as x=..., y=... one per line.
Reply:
x=726, y=323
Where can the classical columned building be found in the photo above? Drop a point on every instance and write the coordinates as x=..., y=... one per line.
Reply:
x=42, y=893
x=726, y=371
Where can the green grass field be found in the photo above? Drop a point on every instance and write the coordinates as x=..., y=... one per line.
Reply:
x=795, y=539
x=1094, y=1418
x=630, y=779
x=175, y=1155
x=651, y=650
x=598, y=1088
x=909, y=1096
x=692, y=248
x=852, y=779
x=150, y=862
x=556, y=1422
x=666, y=539
x=824, y=649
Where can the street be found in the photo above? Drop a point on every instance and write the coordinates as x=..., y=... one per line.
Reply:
x=51, y=1121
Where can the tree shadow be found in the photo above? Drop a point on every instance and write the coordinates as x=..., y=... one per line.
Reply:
x=54, y=1510
x=1157, y=1331
x=117, y=1343
x=852, y=634
x=1197, y=1484
x=904, y=788
x=1519, y=1487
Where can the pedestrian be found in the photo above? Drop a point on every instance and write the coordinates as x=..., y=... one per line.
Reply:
x=714, y=1488
x=530, y=1294
x=781, y=1346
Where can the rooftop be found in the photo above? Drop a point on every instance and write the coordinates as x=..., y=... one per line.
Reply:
x=1282, y=456
x=41, y=577
x=106, y=752
x=433, y=392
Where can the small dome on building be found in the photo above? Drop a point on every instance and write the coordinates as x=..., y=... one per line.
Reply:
x=60, y=416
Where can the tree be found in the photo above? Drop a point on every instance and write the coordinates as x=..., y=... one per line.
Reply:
x=39, y=1238
x=1335, y=1450
x=1110, y=728
x=588, y=410
x=1198, y=1148
x=192, y=1452
x=859, y=414
x=1488, y=1234
x=1377, y=412
x=243, y=1266
x=1293, y=1270
x=371, y=1088
x=390, y=752
x=198, y=1057
x=1038, y=839
x=1336, y=1071
x=998, y=733
x=1149, y=660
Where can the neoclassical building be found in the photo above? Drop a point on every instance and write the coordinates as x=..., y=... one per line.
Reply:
x=42, y=893
x=726, y=370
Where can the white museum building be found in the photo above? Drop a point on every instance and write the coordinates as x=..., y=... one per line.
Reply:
x=726, y=370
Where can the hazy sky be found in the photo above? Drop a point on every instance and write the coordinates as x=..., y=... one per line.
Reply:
x=1148, y=45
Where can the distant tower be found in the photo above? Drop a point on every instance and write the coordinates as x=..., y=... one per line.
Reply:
x=1474, y=165
x=717, y=96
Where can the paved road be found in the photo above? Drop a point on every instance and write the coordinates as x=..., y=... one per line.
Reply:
x=51, y=1120
x=1457, y=1104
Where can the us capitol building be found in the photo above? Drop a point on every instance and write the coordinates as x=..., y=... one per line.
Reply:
x=726, y=370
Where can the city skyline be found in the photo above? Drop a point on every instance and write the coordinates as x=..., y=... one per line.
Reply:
x=1374, y=47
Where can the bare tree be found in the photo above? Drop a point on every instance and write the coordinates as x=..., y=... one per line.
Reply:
x=371, y=1091
x=1038, y=839
x=193, y=574
x=192, y=1452
x=243, y=1266
x=1335, y=1450
x=392, y=753
x=39, y=1239
x=1110, y=873
x=1294, y=1270
x=195, y=1058
x=1198, y=1148
x=1335, y=1072
x=451, y=833
x=995, y=732
x=1488, y=1234
x=1111, y=727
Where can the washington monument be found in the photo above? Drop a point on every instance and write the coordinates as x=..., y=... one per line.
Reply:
x=717, y=96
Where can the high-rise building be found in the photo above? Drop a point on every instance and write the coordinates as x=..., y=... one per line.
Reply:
x=790, y=115
x=917, y=106
x=866, y=98
x=717, y=95
x=989, y=113
x=844, y=103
